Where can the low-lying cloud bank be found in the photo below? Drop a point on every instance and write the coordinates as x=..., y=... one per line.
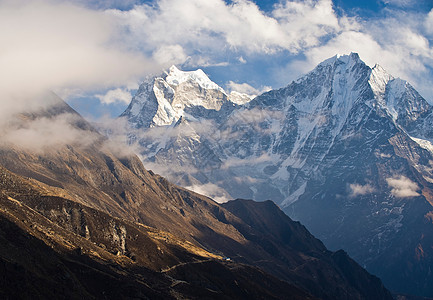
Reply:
x=56, y=45
x=403, y=187
x=360, y=190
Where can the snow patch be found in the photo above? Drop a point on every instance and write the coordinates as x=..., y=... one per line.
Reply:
x=378, y=81
x=176, y=77
x=427, y=145
x=294, y=196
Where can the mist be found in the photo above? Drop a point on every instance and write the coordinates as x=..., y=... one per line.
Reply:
x=57, y=46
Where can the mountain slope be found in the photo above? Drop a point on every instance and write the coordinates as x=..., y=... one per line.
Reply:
x=266, y=224
x=44, y=257
x=107, y=211
x=346, y=149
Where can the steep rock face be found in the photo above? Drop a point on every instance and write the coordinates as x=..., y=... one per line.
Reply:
x=162, y=100
x=269, y=226
x=345, y=149
x=54, y=245
x=106, y=212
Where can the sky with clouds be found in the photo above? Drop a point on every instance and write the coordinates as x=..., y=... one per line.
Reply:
x=95, y=53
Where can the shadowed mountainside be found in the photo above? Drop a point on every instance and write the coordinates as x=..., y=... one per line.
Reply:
x=105, y=216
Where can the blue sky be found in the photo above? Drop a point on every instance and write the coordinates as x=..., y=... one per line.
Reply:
x=95, y=53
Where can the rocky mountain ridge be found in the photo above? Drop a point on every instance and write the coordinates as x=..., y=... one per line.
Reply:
x=162, y=100
x=346, y=149
x=80, y=215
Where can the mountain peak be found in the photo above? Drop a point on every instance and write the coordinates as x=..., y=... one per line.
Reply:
x=334, y=149
x=173, y=68
x=175, y=77
x=345, y=58
x=378, y=81
x=162, y=100
x=353, y=56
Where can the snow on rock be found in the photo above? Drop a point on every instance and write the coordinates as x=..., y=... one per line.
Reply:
x=300, y=124
x=240, y=98
x=302, y=146
x=378, y=81
x=176, y=77
x=162, y=100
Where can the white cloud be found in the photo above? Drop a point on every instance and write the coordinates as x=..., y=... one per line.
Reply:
x=245, y=88
x=203, y=61
x=239, y=162
x=344, y=43
x=360, y=190
x=116, y=95
x=253, y=117
x=398, y=43
x=396, y=58
x=403, y=187
x=401, y=3
x=170, y=55
x=246, y=179
x=305, y=22
x=208, y=29
x=56, y=45
x=428, y=23
x=384, y=155
x=105, y=4
x=118, y=142
x=90, y=48
x=211, y=190
x=42, y=134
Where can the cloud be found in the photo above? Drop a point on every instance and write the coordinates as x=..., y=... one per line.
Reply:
x=245, y=88
x=399, y=43
x=305, y=22
x=106, y=4
x=254, y=117
x=401, y=3
x=403, y=187
x=428, y=23
x=44, y=133
x=383, y=155
x=116, y=95
x=90, y=47
x=240, y=162
x=170, y=55
x=360, y=190
x=56, y=45
x=211, y=190
x=371, y=52
x=173, y=29
x=246, y=179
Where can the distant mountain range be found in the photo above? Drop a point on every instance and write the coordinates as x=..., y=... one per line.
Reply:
x=82, y=219
x=345, y=149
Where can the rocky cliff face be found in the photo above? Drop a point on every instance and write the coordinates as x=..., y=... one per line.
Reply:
x=162, y=100
x=101, y=220
x=345, y=149
x=60, y=248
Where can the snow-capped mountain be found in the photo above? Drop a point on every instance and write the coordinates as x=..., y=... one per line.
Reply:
x=345, y=149
x=80, y=219
x=162, y=100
